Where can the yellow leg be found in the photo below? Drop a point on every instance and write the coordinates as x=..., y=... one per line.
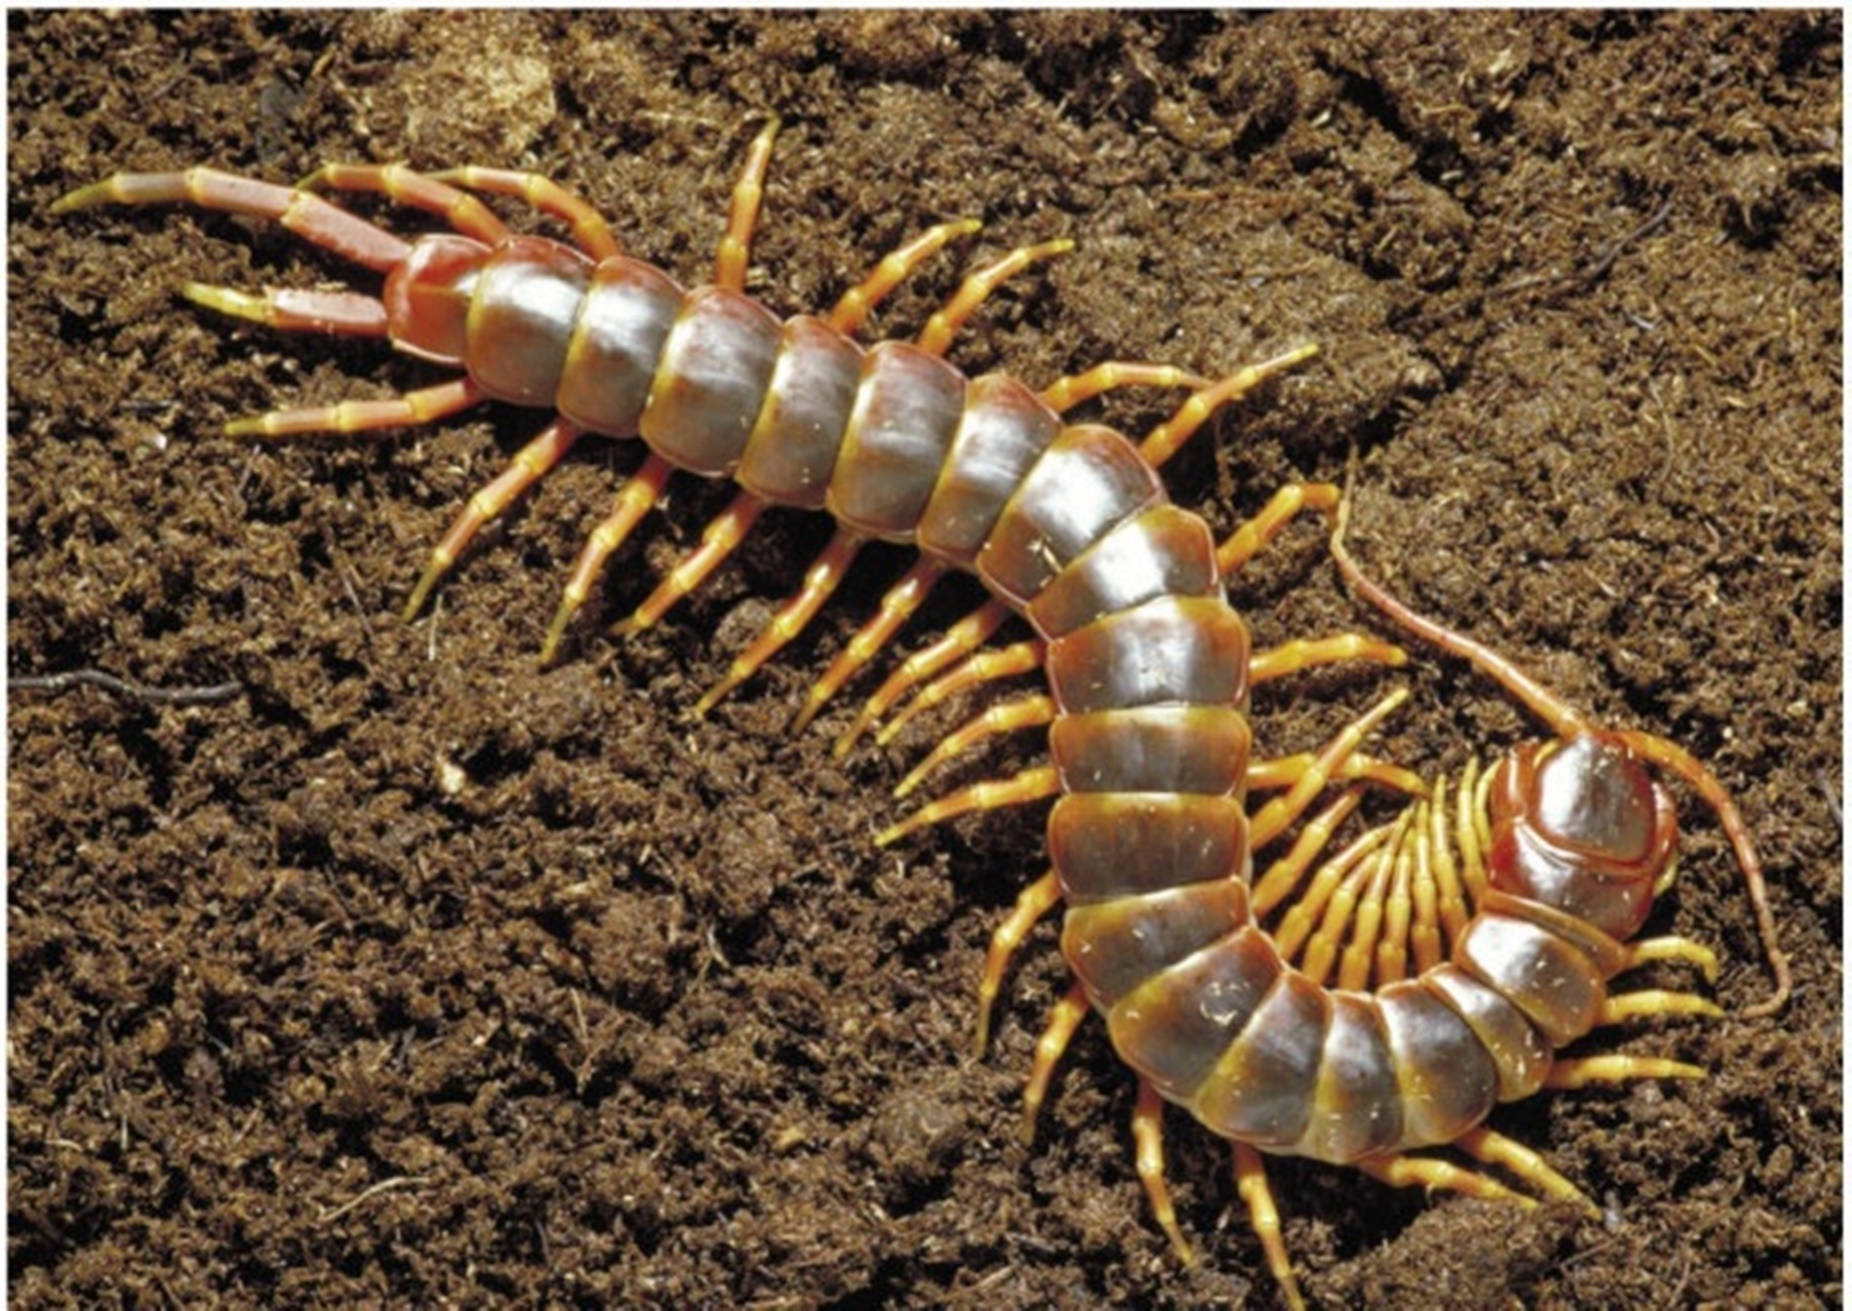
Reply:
x=1148, y=1141
x=743, y=212
x=1274, y=773
x=1070, y=391
x=1284, y=874
x=944, y=325
x=964, y=637
x=529, y=465
x=1298, y=655
x=1652, y=1001
x=1034, y=784
x=1302, y=917
x=1251, y=1186
x=1246, y=541
x=821, y=579
x=718, y=540
x=1450, y=905
x=1430, y=1172
x=1063, y=1019
x=859, y=301
x=1174, y=431
x=897, y=606
x=634, y=499
x=984, y=667
x=588, y=226
x=1467, y=828
x=1367, y=921
x=340, y=313
x=1398, y=909
x=398, y=183
x=1587, y=1070
x=1004, y=717
x=413, y=407
x=1424, y=933
x=1032, y=903
x=1496, y=1149
x=1648, y=950
x=1321, y=950
x=1273, y=818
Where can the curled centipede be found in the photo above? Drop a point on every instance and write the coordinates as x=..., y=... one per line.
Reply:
x=1149, y=669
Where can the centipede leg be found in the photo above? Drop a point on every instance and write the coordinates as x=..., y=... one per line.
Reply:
x=719, y=539
x=896, y=607
x=589, y=228
x=1275, y=773
x=1650, y=950
x=1348, y=909
x=1585, y=1071
x=1167, y=437
x=1284, y=874
x=413, y=407
x=984, y=667
x=1301, y=654
x=1400, y=1171
x=1250, y=538
x=960, y=639
x=1032, y=903
x=634, y=499
x=1063, y=1019
x=337, y=313
x=1148, y=1160
x=1264, y=1216
x=1034, y=711
x=859, y=301
x=1070, y=391
x=820, y=580
x=1485, y=1145
x=398, y=183
x=1654, y=1001
x=1273, y=818
x=743, y=211
x=530, y=464
x=945, y=323
x=1302, y=917
x=301, y=212
x=1034, y=784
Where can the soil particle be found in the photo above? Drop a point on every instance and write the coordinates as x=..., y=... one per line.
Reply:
x=420, y=976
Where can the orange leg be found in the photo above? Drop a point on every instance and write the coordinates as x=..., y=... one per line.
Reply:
x=1284, y=874
x=859, y=301
x=1004, y=717
x=718, y=540
x=459, y=209
x=1301, y=917
x=634, y=500
x=821, y=579
x=961, y=639
x=1063, y=1020
x=1064, y=395
x=1246, y=541
x=944, y=325
x=1274, y=817
x=339, y=313
x=984, y=667
x=1032, y=903
x=1272, y=773
x=530, y=464
x=1654, y=1001
x=897, y=606
x=1033, y=784
x=1176, y=430
x=1428, y=1172
x=1496, y=1149
x=1298, y=655
x=1251, y=1186
x=420, y=406
x=1148, y=1139
x=308, y=216
x=1321, y=949
x=1588, y=1070
x=743, y=212
x=589, y=229
x=1398, y=911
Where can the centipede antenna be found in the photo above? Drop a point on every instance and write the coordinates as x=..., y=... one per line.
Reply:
x=1552, y=709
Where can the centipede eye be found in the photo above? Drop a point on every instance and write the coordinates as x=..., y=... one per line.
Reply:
x=1595, y=794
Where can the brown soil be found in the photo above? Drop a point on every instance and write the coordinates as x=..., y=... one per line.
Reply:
x=415, y=976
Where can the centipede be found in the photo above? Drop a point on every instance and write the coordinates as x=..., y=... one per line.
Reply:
x=1353, y=1008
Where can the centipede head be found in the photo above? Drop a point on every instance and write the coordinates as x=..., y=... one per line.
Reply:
x=427, y=296
x=1580, y=824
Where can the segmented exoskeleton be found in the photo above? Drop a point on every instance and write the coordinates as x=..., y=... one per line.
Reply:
x=1067, y=525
